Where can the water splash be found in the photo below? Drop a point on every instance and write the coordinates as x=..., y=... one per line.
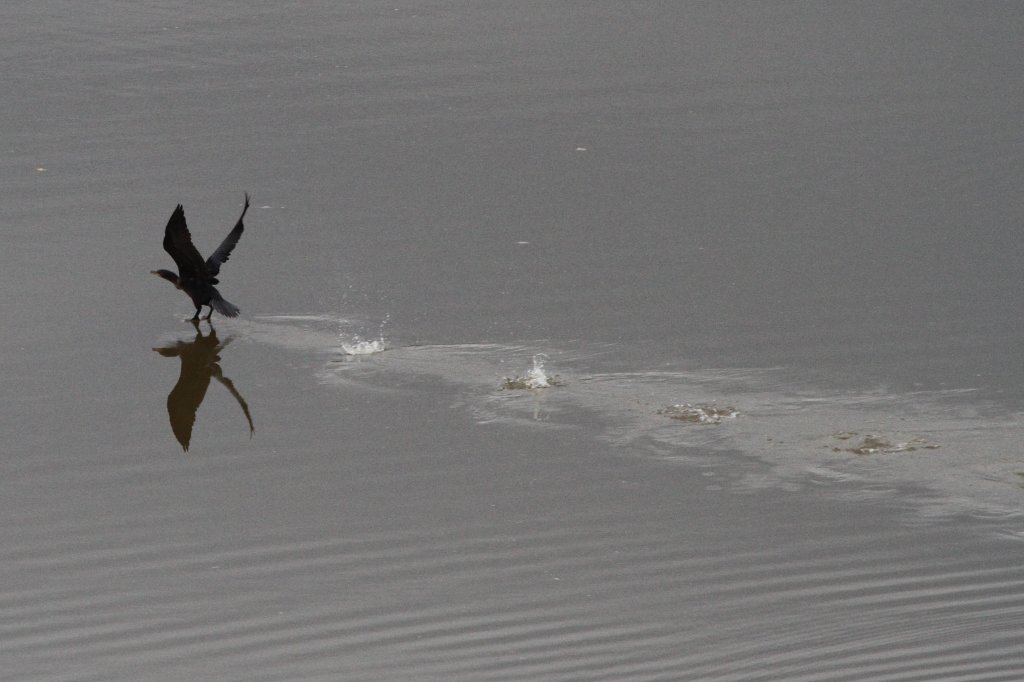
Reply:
x=535, y=377
x=872, y=444
x=359, y=346
x=699, y=414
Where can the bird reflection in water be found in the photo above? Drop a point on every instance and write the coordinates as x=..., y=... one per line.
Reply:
x=199, y=360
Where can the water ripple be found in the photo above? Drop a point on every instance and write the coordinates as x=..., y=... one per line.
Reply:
x=597, y=601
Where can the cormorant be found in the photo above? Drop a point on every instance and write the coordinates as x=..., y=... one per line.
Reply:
x=197, y=277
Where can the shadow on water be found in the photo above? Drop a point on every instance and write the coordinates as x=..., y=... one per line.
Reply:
x=199, y=363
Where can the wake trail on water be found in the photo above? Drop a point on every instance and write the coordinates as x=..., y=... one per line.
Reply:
x=942, y=452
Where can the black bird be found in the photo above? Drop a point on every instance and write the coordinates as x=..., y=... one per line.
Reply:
x=196, y=277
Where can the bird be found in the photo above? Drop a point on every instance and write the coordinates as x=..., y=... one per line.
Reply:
x=195, y=276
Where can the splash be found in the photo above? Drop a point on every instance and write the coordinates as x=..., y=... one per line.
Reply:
x=535, y=377
x=699, y=414
x=362, y=347
x=872, y=444
x=359, y=346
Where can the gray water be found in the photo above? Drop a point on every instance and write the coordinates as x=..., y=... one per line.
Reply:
x=799, y=220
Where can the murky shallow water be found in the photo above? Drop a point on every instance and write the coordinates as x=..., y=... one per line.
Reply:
x=798, y=222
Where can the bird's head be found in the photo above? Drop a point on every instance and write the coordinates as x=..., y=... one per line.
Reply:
x=166, y=274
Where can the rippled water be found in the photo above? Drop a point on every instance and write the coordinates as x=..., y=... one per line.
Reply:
x=444, y=526
x=591, y=341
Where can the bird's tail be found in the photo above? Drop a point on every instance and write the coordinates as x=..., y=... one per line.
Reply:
x=223, y=307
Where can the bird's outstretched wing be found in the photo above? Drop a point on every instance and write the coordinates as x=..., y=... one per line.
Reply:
x=220, y=256
x=178, y=243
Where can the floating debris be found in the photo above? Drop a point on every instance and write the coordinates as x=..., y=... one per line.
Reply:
x=535, y=377
x=699, y=414
x=871, y=444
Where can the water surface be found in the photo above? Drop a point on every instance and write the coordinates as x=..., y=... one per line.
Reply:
x=802, y=218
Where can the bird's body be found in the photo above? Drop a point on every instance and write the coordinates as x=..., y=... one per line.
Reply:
x=195, y=276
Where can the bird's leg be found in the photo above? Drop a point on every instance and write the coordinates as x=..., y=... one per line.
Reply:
x=196, y=316
x=210, y=315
